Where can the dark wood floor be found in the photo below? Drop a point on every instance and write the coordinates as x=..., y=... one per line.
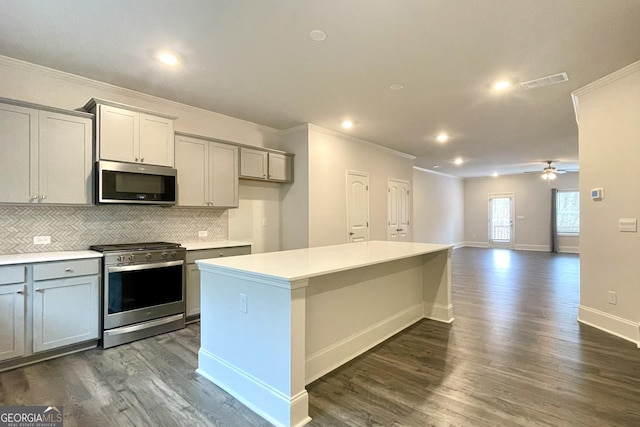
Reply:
x=515, y=356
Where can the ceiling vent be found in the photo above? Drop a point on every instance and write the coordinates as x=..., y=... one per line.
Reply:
x=545, y=81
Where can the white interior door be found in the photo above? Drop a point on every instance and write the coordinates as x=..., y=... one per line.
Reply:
x=357, y=206
x=501, y=220
x=398, y=208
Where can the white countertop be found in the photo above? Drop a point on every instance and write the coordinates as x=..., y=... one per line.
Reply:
x=47, y=256
x=304, y=263
x=194, y=246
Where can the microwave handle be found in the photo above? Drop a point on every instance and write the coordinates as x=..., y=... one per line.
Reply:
x=144, y=266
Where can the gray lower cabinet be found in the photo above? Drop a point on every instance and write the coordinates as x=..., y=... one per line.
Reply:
x=193, y=274
x=49, y=305
x=13, y=284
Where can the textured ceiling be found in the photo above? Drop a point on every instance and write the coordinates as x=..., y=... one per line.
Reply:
x=254, y=60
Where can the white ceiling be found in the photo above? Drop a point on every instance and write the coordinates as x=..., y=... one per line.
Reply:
x=254, y=60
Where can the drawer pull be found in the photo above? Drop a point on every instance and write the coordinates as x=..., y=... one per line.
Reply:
x=20, y=292
x=221, y=253
x=68, y=270
x=39, y=290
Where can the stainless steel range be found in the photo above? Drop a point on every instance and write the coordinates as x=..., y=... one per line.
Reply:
x=143, y=290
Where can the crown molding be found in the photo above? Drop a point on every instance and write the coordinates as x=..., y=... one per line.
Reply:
x=73, y=78
x=330, y=132
x=437, y=173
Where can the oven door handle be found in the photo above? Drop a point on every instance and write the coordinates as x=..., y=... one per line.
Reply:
x=145, y=266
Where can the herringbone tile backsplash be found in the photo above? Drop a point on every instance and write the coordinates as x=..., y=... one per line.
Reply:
x=77, y=228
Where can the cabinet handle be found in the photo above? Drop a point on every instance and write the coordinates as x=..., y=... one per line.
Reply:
x=142, y=159
x=68, y=270
x=39, y=290
x=43, y=197
x=34, y=197
x=221, y=253
x=399, y=229
x=20, y=292
x=136, y=159
x=264, y=175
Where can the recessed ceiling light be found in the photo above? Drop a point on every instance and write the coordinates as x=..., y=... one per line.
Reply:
x=396, y=86
x=442, y=137
x=501, y=85
x=458, y=161
x=318, y=35
x=347, y=124
x=495, y=174
x=168, y=58
x=436, y=166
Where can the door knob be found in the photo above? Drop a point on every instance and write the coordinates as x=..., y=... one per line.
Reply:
x=351, y=233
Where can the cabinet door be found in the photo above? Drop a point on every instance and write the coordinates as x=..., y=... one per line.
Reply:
x=65, y=159
x=12, y=322
x=253, y=163
x=223, y=175
x=193, y=290
x=156, y=140
x=192, y=165
x=65, y=311
x=18, y=154
x=280, y=167
x=118, y=134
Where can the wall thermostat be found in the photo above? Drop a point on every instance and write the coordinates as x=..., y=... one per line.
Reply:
x=597, y=194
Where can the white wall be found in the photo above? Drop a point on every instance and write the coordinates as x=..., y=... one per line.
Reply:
x=331, y=155
x=609, y=122
x=532, y=201
x=294, y=220
x=40, y=85
x=438, y=207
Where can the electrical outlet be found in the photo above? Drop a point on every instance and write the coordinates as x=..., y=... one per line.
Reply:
x=41, y=240
x=243, y=303
x=203, y=233
x=612, y=297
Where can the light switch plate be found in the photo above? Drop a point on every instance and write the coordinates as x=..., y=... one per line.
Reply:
x=629, y=225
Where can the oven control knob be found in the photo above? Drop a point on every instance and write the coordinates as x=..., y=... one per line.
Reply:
x=173, y=254
x=120, y=258
x=132, y=257
x=148, y=256
x=164, y=254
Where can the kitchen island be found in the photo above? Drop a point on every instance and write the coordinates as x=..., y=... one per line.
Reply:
x=273, y=322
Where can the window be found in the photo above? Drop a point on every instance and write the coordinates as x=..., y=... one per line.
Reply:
x=568, y=211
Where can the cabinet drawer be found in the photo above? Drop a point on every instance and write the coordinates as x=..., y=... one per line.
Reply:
x=192, y=256
x=12, y=274
x=56, y=270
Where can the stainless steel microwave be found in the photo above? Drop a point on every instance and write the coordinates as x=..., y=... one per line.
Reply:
x=120, y=182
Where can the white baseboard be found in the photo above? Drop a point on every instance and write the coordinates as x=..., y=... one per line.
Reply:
x=606, y=322
x=337, y=354
x=475, y=244
x=569, y=249
x=535, y=248
x=441, y=313
x=274, y=406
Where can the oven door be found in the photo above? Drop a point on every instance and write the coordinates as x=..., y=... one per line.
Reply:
x=141, y=292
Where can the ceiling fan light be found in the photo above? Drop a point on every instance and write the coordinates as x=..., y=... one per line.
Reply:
x=552, y=175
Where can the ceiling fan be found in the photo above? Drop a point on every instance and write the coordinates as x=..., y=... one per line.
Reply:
x=549, y=173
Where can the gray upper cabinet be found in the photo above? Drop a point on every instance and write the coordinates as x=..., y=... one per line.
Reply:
x=129, y=134
x=266, y=165
x=253, y=163
x=46, y=155
x=207, y=172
